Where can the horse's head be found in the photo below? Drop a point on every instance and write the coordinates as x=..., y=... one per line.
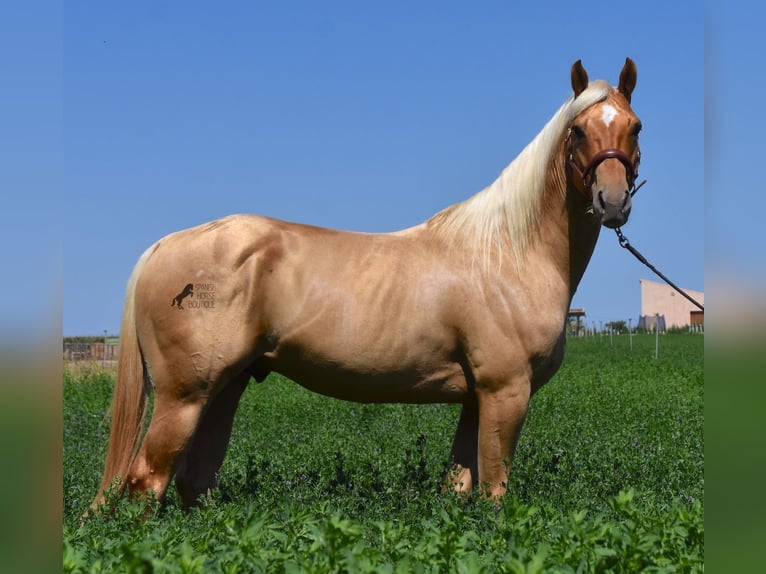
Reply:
x=602, y=147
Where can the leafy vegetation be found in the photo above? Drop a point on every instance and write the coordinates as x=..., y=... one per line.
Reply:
x=608, y=477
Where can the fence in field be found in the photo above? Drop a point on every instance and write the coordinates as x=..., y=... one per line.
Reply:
x=580, y=327
x=655, y=324
x=81, y=349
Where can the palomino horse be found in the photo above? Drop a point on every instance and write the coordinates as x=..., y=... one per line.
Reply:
x=468, y=307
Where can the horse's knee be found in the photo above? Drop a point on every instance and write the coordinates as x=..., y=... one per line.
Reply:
x=142, y=480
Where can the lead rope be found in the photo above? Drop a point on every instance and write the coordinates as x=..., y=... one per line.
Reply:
x=626, y=244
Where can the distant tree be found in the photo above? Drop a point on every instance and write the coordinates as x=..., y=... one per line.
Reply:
x=617, y=326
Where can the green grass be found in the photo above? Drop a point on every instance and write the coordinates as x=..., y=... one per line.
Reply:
x=608, y=477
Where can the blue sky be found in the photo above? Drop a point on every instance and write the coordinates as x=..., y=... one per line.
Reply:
x=143, y=118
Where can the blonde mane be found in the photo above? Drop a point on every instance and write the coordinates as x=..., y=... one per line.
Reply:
x=508, y=211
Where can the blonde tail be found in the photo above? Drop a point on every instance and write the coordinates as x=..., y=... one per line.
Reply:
x=128, y=408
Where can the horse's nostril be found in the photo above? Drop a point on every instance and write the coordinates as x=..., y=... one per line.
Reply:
x=601, y=202
x=626, y=202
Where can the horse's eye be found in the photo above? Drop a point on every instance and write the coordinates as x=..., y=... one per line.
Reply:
x=578, y=132
x=636, y=129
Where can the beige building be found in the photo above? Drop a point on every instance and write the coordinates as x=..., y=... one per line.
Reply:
x=677, y=309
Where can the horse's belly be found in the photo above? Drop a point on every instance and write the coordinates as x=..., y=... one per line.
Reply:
x=437, y=385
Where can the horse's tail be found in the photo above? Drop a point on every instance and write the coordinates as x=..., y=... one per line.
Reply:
x=128, y=410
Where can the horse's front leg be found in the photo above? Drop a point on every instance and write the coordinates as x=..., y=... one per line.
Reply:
x=502, y=410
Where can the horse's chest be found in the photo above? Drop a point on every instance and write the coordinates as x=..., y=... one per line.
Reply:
x=546, y=365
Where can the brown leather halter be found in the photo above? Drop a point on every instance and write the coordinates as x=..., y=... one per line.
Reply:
x=631, y=169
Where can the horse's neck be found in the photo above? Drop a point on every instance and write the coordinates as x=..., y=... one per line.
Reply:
x=583, y=233
x=568, y=233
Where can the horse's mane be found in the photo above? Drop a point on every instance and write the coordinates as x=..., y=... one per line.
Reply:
x=507, y=212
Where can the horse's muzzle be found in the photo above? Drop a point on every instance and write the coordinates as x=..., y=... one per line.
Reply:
x=612, y=208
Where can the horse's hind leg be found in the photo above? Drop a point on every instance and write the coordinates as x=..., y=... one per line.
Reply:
x=464, y=454
x=172, y=426
x=180, y=398
x=197, y=471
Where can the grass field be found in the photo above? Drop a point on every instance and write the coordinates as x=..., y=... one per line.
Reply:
x=608, y=477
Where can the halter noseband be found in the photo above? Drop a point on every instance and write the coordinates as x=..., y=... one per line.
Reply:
x=631, y=169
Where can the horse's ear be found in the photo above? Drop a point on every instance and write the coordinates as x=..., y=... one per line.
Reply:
x=628, y=78
x=579, y=78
